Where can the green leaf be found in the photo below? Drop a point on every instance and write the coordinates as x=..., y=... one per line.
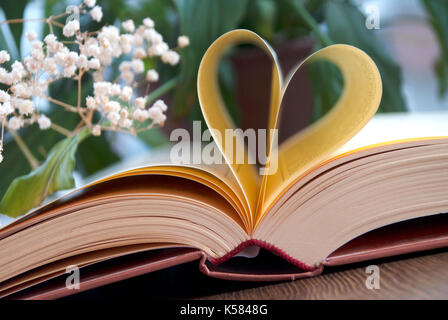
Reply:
x=203, y=21
x=154, y=137
x=438, y=16
x=14, y=10
x=346, y=24
x=55, y=174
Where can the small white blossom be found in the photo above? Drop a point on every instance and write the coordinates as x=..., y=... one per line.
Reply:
x=112, y=106
x=148, y=22
x=138, y=66
x=4, y=56
x=140, y=103
x=44, y=122
x=126, y=93
x=70, y=28
x=161, y=105
x=152, y=75
x=15, y=123
x=171, y=57
x=97, y=13
x=4, y=96
x=94, y=63
x=6, y=109
x=91, y=102
x=140, y=115
x=31, y=35
x=125, y=123
x=113, y=117
x=139, y=53
x=96, y=130
x=90, y=3
x=183, y=41
x=26, y=107
x=128, y=25
x=156, y=115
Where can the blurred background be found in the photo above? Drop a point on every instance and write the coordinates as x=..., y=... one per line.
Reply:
x=408, y=40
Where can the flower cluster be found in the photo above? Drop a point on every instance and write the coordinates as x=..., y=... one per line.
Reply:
x=116, y=101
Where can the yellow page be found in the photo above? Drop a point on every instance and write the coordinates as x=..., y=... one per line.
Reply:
x=357, y=104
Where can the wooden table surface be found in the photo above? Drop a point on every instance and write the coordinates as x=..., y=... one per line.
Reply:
x=418, y=276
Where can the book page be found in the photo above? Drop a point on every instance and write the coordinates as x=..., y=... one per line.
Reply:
x=218, y=119
x=356, y=105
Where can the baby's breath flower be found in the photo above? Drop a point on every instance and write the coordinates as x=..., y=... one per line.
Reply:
x=96, y=13
x=5, y=109
x=96, y=130
x=128, y=25
x=148, y=22
x=126, y=93
x=90, y=3
x=140, y=115
x=91, y=102
x=156, y=115
x=152, y=75
x=70, y=28
x=4, y=96
x=161, y=105
x=26, y=107
x=183, y=41
x=138, y=66
x=140, y=103
x=15, y=123
x=4, y=56
x=94, y=63
x=44, y=122
x=171, y=57
x=31, y=35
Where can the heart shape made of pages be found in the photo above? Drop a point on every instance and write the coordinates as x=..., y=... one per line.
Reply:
x=358, y=102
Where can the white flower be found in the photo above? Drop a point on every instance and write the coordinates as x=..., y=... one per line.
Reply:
x=152, y=36
x=83, y=62
x=112, y=107
x=148, y=22
x=160, y=104
x=128, y=77
x=4, y=56
x=171, y=57
x=158, y=49
x=115, y=90
x=125, y=123
x=183, y=41
x=90, y=3
x=6, y=109
x=44, y=122
x=126, y=93
x=152, y=75
x=96, y=130
x=70, y=28
x=91, y=102
x=156, y=115
x=124, y=114
x=26, y=107
x=97, y=13
x=126, y=43
x=140, y=115
x=139, y=53
x=140, y=103
x=15, y=123
x=94, y=63
x=138, y=66
x=128, y=25
x=113, y=117
x=49, y=65
x=31, y=35
x=101, y=88
x=4, y=96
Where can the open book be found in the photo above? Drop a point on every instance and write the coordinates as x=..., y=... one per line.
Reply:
x=323, y=193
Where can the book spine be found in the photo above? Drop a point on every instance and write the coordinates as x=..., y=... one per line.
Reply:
x=267, y=246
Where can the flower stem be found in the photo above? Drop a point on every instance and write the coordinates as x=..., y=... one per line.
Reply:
x=60, y=129
x=311, y=22
x=25, y=150
x=160, y=91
